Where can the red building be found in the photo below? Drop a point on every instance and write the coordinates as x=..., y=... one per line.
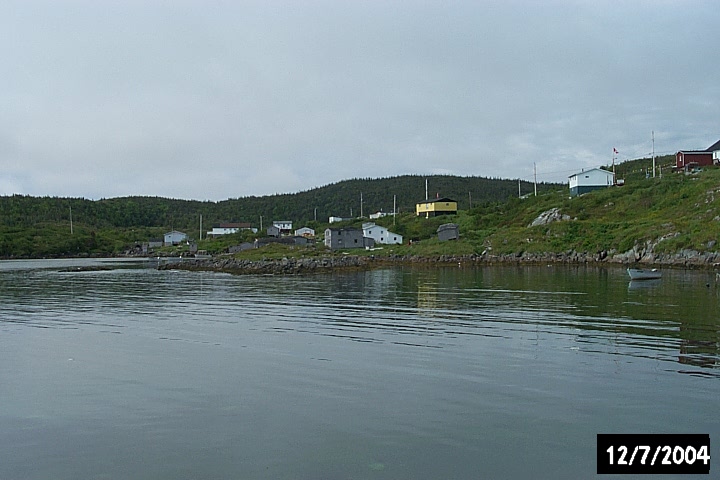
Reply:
x=697, y=158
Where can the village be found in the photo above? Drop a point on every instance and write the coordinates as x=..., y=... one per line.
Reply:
x=371, y=236
x=368, y=237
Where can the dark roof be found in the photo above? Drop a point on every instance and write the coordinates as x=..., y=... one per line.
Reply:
x=234, y=225
x=714, y=146
x=345, y=229
x=444, y=199
x=447, y=226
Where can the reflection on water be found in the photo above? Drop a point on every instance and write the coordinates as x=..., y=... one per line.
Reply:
x=389, y=373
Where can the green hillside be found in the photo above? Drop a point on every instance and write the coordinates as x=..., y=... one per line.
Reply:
x=674, y=212
x=39, y=226
x=667, y=213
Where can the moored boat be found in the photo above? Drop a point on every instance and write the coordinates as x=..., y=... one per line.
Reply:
x=644, y=274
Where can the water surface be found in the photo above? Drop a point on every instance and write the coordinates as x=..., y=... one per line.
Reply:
x=401, y=373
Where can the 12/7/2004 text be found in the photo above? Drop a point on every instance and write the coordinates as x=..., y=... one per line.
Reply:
x=653, y=453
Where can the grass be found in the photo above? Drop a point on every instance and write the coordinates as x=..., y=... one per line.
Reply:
x=671, y=213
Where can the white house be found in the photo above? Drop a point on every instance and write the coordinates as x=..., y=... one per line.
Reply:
x=305, y=232
x=229, y=228
x=174, y=238
x=381, y=234
x=589, y=180
x=375, y=216
x=284, y=226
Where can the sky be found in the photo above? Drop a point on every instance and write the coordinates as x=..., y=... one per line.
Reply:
x=210, y=100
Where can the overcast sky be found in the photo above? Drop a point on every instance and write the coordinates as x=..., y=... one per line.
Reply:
x=212, y=100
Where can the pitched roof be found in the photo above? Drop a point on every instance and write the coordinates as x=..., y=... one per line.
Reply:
x=234, y=225
x=712, y=148
x=607, y=172
x=444, y=199
x=715, y=146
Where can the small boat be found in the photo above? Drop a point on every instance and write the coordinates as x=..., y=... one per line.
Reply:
x=644, y=274
x=202, y=254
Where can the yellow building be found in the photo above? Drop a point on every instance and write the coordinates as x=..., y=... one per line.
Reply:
x=435, y=207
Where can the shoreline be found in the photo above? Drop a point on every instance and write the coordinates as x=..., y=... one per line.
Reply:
x=683, y=260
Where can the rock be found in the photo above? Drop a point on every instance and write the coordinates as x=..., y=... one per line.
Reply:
x=549, y=216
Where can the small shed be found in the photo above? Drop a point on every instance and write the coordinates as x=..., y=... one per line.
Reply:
x=305, y=232
x=589, y=180
x=273, y=231
x=174, y=238
x=448, y=231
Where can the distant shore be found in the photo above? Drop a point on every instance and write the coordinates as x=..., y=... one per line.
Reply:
x=685, y=259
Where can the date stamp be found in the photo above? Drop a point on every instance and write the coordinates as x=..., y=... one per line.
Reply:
x=653, y=453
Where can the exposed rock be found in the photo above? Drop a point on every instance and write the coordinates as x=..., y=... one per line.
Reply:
x=639, y=253
x=549, y=216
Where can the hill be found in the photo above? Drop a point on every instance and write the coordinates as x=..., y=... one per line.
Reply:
x=39, y=226
x=673, y=215
x=662, y=215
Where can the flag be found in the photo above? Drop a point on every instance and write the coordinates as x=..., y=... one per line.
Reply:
x=615, y=150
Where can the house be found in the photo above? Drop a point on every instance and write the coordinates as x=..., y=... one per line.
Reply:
x=273, y=231
x=589, y=180
x=305, y=232
x=375, y=216
x=285, y=226
x=381, y=234
x=349, y=237
x=338, y=219
x=174, y=238
x=229, y=228
x=438, y=206
x=685, y=159
x=448, y=231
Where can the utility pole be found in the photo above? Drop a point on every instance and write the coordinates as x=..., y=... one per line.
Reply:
x=201, y=226
x=470, y=197
x=260, y=223
x=361, y=205
x=71, y=225
x=426, y=189
x=394, y=211
x=519, y=195
x=535, y=175
x=316, y=214
x=653, y=151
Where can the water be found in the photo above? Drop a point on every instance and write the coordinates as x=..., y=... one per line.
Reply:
x=497, y=372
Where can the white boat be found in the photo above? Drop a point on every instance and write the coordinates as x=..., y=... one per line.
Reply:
x=644, y=274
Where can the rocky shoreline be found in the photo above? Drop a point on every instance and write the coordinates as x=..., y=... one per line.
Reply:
x=684, y=259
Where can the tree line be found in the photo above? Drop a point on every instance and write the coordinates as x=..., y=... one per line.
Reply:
x=349, y=198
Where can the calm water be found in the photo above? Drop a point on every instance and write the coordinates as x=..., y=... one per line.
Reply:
x=488, y=373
